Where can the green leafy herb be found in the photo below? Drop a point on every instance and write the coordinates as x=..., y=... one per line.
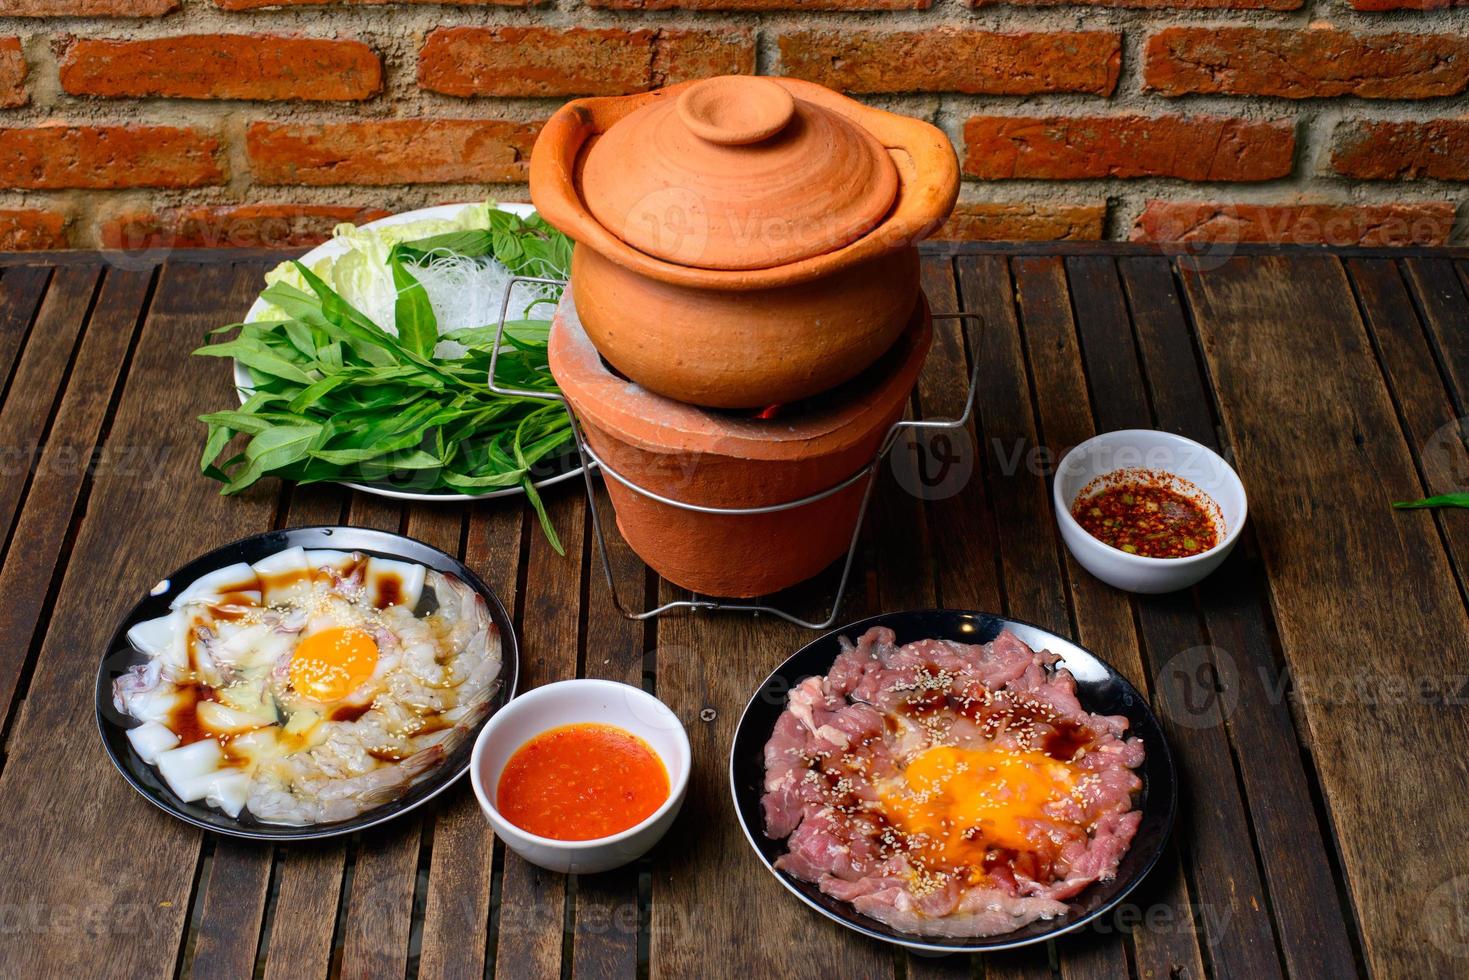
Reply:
x=525, y=246
x=336, y=398
x=417, y=327
x=1442, y=500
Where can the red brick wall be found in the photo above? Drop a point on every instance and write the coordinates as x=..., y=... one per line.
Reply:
x=131, y=123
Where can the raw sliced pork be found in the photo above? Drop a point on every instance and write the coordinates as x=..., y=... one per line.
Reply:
x=947, y=789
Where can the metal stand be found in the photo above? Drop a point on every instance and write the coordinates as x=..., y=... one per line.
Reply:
x=589, y=459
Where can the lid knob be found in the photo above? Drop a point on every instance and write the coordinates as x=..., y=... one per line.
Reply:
x=733, y=110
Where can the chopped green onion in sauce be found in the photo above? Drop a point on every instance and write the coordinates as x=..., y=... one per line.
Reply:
x=1147, y=519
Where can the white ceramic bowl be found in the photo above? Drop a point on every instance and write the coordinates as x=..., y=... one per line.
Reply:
x=570, y=703
x=1148, y=449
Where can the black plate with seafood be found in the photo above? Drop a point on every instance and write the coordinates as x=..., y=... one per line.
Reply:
x=952, y=781
x=304, y=683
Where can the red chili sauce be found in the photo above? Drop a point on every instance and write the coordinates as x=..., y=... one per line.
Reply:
x=1149, y=518
x=581, y=782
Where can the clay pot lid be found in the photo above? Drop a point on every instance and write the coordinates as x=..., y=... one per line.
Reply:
x=737, y=173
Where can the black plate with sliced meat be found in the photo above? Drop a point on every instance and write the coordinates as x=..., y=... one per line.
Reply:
x=993, y=787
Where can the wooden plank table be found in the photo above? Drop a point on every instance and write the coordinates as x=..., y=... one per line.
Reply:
x=1314, y=689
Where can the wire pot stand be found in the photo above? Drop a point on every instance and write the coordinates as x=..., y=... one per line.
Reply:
x=589, y=458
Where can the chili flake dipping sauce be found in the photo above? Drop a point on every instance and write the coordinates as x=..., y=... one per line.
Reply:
x=1145, y=516
x=581, y=782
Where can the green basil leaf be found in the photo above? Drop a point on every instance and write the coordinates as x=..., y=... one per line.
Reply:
x=348, y=318
x=298, y=332
x=479, y=484
x=1442, y=500
x=219, y=437
x=335, y=397
x=547, y=528
x=316, y=391
x=284, y=444
x=413, y=314
x=471, y=243
x=257, y=357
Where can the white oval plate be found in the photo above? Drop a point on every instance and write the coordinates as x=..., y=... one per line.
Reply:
x=335, y=248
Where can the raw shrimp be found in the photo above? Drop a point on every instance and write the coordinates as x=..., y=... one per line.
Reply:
x=484, y=679
x=461, y=608
x=472, y=632
x=413, y=692
x=323, y=799
x=143, y=692
x=420, y=651
x=343, y=776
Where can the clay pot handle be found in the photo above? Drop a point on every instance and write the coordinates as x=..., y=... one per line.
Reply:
x=733, y=110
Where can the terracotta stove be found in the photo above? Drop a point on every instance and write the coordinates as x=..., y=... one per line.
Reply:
x=720, y=459
x=744, y=322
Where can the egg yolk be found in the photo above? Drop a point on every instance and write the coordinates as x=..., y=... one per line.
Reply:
x=331, y=664
x=954, y=804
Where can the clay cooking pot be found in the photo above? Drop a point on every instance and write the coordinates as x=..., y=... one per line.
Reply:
x=719, y=459
x=742, y=241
